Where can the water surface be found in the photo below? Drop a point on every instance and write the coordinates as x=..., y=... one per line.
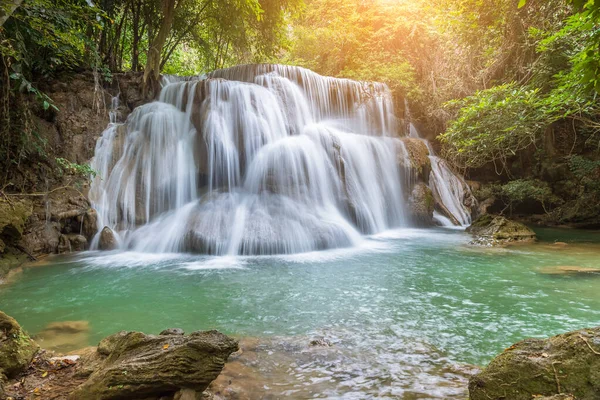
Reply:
x=404, y=311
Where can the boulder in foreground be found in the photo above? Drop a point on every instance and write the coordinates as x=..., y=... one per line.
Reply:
x=131, y=365
x=16, y=348
x=562, y=367
x=490, y=230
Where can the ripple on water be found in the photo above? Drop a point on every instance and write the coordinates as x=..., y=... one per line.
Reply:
x=405, y=311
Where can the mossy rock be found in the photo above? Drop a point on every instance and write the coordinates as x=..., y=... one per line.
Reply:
x=131, y=365
x=13, y=217
x=561, y=367
x=421, y=203
x=497, y=230
x=16, y=347
x=418, y=156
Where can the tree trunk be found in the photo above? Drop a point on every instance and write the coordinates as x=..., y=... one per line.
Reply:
x=135, y=46
x=152, y=70
x=7, y=10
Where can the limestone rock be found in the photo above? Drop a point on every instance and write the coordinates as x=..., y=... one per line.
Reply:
x=89, y=227
x=421, y=204
x=135, y=365
x=16, y=348
x=561, y=367
x=418, y=157
x=77, y=242
x=108, y=241
x=172, y=331
x=13, y=217
x=496, y=230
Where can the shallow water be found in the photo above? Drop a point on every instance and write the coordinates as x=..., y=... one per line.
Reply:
x=403, y=311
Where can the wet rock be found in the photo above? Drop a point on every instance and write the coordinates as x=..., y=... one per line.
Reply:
x=135, y=365
x=77, y=242
x=421, y=203
x=64, y=336
x=64, y=245
x=563, y=364
x=59, y=224
x=16, y=348
x=90, y=224
x=490, y=230
x=570, y=270
x=172, y=331
x=108, y=241
x=13, y=219
x=417, y=155
x=320, y=342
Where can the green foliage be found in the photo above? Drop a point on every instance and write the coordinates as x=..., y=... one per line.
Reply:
x=493, y=125
x=522, y=190
x=45, y=36
x=586, y=171
x=78, y=170
x=360, y=40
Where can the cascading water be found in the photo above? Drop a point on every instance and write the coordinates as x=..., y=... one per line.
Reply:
x=448, y=188
x=255, y=159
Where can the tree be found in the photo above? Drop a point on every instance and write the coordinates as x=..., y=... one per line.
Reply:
x=7, y=9
x=152, y=70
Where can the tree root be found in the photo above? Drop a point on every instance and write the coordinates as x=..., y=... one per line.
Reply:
x=590, y=346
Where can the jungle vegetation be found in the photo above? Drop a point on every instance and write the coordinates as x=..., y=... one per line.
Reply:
x=492, y=80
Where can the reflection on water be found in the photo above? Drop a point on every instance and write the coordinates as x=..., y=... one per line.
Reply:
x=404, y=312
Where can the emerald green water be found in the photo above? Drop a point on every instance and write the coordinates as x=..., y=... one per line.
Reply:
x=402, y=310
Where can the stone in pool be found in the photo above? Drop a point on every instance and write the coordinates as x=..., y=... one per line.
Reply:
x=490, y=230
x=563, y=364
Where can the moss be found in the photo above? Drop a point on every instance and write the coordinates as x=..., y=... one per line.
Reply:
x=539, y=366
x=418, y=154
x=9, y=261
x=497, y=230
x=16, y=348
x=13, y=217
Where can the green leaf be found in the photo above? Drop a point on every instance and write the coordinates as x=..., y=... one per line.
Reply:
x=46, y=105
x=522, y=3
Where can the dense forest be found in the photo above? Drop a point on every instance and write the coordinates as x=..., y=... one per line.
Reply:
x=508, y=90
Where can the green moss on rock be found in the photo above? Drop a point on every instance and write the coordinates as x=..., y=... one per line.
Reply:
x=498, y=230
x=418, y=155
x=13, y=217
x=130, y=365
x=558, y=367
x=16, y=347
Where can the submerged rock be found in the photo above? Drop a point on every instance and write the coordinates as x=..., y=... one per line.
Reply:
x=108, y=241
x=64, y=336
x=570, y=270
x=422, y=203
x=135, y=365
x=490, y=230
x=16, y=348
x=561, y=367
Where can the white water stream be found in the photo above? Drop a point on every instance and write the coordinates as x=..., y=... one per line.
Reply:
x=257, y=159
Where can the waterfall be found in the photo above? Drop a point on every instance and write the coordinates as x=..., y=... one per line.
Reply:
x=255, y=159
x=448, y=188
